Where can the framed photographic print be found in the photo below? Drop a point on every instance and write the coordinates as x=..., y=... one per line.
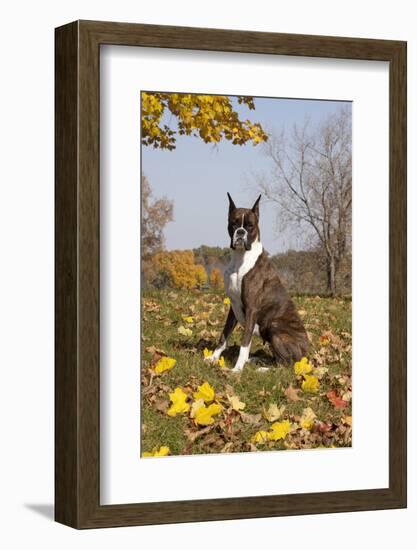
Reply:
x=230, y=274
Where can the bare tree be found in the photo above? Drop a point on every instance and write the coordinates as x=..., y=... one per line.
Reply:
x=156, y=213
x=311, y=184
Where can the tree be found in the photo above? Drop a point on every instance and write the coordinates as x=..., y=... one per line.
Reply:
x=210, y=117
x=156, y=213
x=178, y=268
x=311, y=184
x=200, y=275
x=216, y=278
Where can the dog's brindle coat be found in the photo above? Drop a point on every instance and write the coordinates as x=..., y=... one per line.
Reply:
x=259, y=301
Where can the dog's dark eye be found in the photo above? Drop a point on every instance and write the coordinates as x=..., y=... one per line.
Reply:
x=249, y=226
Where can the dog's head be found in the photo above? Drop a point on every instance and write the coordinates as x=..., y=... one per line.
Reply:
x=243, y=225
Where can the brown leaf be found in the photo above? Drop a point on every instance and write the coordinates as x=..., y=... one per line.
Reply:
x=192, y=435
x=161, y=405
x=251, y=418
x=292, y=393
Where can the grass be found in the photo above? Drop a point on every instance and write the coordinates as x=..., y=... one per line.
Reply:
x=328, y=322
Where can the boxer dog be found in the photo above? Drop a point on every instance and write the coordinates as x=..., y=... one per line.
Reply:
x=259, y=301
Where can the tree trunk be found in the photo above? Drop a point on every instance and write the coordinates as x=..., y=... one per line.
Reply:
x=331, y=275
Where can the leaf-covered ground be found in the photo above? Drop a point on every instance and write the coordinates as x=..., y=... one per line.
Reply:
x=190, y=406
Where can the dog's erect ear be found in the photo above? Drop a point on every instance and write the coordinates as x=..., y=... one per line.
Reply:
x=255, y=207
x=232, y=205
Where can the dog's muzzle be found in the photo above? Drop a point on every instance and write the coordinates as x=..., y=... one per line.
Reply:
x=240, y=238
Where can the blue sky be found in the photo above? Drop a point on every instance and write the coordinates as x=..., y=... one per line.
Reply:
x=196, y=176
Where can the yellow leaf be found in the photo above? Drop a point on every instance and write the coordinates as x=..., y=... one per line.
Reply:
x=226, y=301
x=347, y=420
x=307, y=418
x=207, y=353
x=163, y=451
x=165, y=363
x=205, y=391
x=279, y=430
x=273, y=412
x=236, y=403
x=188, y=319
x=195, y=406
x=204, y=415
x=184, y=331
x=260, y=437
x=222, y=362
x=179, y=404
x=310, y=384
x=303, y=367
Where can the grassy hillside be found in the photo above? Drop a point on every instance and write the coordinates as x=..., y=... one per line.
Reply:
x=269, y=410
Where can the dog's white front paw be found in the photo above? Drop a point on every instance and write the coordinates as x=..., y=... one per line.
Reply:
x=210, y=358
x=238, y=367
x=242, y=359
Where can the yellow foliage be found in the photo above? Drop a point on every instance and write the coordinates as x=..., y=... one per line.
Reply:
x=279, y=430
x=204, y=415
x=307, y=418
x=162, y=451
x=179, y=405
x=200, y=275
x=210, y=117
x=221, y=362
x=310, y=384
x=184, y=331
x=205, y=391
x=216, y=278
x=303, y=367
x=181, y=269
x=236, y=403
x=165, y=363
x=260, y=437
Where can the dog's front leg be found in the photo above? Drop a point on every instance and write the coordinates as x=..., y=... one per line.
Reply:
x=231, y=322
x=246, y=341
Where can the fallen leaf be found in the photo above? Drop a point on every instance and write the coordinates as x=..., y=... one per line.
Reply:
x=336, y=400
x=307, y=418
x=165, y=363
x=222, y=363
x=152, y=350
x=161, y=405
x=273, y=412
x=251, y=418
x=310, y=384
x=260, y=437
x=179, y=404
x=236, y=403
x=184, y=331
x=279, y=430
x=195, y=406
x=192, y=435
x=347, y=420
x=206, y=392
x=162, y=451
x=302, y=367
x=204, y=415
x=292, y=393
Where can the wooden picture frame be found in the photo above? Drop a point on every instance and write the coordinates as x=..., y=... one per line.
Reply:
x=77, y=373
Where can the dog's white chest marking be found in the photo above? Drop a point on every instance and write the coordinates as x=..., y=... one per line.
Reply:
x=241, y=263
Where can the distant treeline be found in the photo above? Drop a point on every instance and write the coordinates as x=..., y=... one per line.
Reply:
x=302, y=272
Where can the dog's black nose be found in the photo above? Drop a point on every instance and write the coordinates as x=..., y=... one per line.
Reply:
x=240, y=232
